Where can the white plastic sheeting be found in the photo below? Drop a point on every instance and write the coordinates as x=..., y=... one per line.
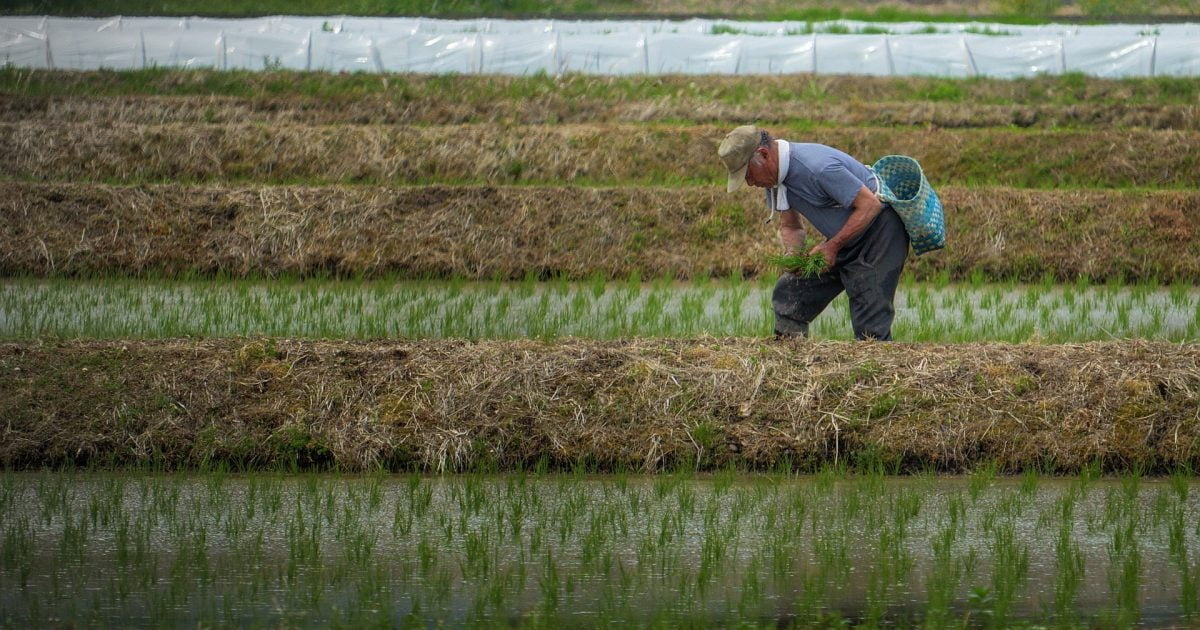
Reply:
x=1007, y=58
x=440, y=53
x=853, y=54
x=25, y=49
x=1177, y=57
x=946, y=55
x=350, y=44
x=604, y=54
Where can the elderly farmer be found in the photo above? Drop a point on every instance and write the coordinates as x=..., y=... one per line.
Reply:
x=866, y=242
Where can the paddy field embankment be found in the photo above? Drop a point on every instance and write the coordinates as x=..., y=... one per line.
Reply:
x=618, y=405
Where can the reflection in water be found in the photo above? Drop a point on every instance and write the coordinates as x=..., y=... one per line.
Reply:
x=310, y=550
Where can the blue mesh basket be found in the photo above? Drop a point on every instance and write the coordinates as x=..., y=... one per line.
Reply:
x=902, y=185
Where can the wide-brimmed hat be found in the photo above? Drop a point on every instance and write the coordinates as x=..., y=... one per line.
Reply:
x=735, y=151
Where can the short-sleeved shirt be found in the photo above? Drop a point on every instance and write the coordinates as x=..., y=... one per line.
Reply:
x=822, y=183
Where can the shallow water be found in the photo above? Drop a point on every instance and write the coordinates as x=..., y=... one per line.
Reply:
x=117, y=550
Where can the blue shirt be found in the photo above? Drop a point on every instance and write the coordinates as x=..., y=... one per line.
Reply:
x=821, y=184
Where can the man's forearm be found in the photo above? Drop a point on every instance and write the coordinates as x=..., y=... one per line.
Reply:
x=866, y=208
x=858, y=222
x=792, y=239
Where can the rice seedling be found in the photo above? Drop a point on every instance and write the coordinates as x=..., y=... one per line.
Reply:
x=218, y=549
x=803, y=265
x=122, y=308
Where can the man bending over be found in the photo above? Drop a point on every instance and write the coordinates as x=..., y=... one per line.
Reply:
x=866, y=243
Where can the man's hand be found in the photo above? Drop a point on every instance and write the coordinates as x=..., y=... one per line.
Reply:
x=827, y=249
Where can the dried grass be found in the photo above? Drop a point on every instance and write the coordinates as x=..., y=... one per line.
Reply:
x=417, y=95
x=452, y=405
x=437, y=108
x=507, y=232
x=588, y=154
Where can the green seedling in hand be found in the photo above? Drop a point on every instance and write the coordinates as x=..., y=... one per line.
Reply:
x=803, y=265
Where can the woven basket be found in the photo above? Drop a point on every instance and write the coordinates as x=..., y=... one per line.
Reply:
x=902, y=185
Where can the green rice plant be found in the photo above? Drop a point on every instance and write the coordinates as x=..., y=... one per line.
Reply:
x=70, y=308
x=1010, y=566
x=1070, y=573
x=943, y=578
x=1125, y=571
x=980, y=479
x=1180, y=482
x=803, y=265
x=210, y=546
x=1189, y=590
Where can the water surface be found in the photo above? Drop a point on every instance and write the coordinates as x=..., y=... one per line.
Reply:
x=181, y=550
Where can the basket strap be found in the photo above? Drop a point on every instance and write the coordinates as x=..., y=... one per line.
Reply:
x=878, y=184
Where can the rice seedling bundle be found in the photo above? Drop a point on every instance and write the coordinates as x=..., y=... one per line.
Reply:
x=803, y=265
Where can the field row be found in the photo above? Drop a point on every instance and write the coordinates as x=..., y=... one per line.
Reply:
x=486, y=233
x=162, y=97
x=621, y=154
x=600, y=310
x=537, y=550
x=155, y=110
x=344, y=89
x=630, y=404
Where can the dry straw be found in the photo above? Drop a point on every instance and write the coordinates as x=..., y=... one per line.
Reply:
x=198, y=96
x=436, y=108
x=507, y=232
x=645, y=404
x=587, y=153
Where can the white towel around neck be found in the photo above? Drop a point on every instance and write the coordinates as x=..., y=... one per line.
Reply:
x=785, y=157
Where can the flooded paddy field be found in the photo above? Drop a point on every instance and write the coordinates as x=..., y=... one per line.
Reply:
x=535, y=548
x=935, y=312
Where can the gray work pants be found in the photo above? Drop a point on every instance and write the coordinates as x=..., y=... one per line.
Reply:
x=868, y=271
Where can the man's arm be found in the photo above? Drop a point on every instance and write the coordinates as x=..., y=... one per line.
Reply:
x=866, y=208
x=791, y=231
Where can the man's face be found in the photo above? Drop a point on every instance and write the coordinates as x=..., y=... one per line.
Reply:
x=763, y=169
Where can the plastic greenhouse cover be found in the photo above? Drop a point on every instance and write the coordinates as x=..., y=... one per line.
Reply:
x=1177, y=57
x=440, y=54
x=119, y=50
x=852, y=54
x=23, y=49
x=1118, y=57
x=696, y=46
x=604, y=54
x=519, y=54
x=688, y=54
x=778, y=55
x=336, y=52
x=1008, y=58
x=941, y=55
x=260, y=51
x=164, y=48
